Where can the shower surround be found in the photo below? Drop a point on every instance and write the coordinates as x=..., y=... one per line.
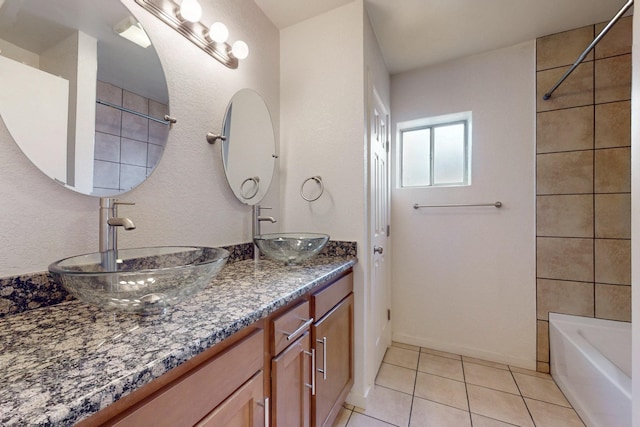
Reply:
x=583, y=179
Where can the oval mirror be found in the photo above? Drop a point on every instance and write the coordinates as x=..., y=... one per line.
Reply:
x=85, y=104
x=248, y=151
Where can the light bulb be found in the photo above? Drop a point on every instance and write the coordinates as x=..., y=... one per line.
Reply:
x=190, y=10
x=218, y=32
x=240, y=49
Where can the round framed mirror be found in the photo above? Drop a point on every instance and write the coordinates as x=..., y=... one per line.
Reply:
x=83, y=92
x=248, y=151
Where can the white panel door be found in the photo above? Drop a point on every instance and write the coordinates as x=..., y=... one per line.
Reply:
x=379, y=294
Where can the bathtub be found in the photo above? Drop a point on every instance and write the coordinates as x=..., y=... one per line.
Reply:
x=591, y=363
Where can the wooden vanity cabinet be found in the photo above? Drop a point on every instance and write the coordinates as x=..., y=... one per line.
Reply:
x=244, y=408
x=332, y=340
x=291, y=367
x=221, y=387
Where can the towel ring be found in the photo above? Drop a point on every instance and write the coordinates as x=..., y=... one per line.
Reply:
x=317, y=179
x=256, y=181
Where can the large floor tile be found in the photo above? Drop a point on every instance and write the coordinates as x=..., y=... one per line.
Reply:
x=486, y=376
x=443, y=366
x=440, y=353
x=540, y=389
x=359, y=420
x=402, y=357
x=485, y=362
x=442, y=390
x=343, y=418
x=405, y=346
x=480, y=421
x=387, y=405
x=549, y=415
x=431, y=414
x=498, y=405
x=396, y=378
x=530, y=372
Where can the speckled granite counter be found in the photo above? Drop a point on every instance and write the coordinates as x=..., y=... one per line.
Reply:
x=62, y=363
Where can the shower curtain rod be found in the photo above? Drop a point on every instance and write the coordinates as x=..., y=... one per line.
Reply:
x=604, y=31
x=167, y=120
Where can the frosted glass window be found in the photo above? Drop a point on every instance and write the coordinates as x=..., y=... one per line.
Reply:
x=448, y=154
x=434, y=155
x=416, y=155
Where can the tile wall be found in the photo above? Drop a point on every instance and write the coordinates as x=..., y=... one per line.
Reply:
x=583, y=178
x=127, y=146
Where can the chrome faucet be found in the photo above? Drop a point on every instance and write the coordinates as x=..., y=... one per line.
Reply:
x=109, y=220
x=257, y=219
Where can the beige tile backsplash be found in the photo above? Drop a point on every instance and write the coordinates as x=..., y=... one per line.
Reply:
x=565, y=215
x=565, y=258
x=613, y=170
x=564, y=296
x=565, y=173
x=576, y=91
x=561, y=49
x=613, y=121
x=617, y=41
x=613, y=79
x=583, y=179
x=613, y=261
x=565, y=130
x=613, y=216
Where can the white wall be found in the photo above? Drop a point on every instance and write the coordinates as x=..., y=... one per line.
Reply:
x=635, y=213
x=322, y=116
x=464, y=279
x=76, y=59
x=186, y=200
x=21, y=102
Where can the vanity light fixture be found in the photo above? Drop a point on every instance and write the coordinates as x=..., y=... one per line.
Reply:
x=131, y=30
x=218, y=33
x=190, y=10
x=185, y=19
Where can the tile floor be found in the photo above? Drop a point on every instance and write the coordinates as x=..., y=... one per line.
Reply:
x=421, y=387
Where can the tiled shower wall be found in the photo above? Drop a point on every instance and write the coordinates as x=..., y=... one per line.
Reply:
x=127, y=146
x=583, y=178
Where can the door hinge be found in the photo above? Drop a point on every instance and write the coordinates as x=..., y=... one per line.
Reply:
x=388, y=314
x=388, y=230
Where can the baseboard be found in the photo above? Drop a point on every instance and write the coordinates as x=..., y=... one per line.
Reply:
x=467, y=351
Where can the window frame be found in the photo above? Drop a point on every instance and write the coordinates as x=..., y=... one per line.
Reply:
x=433, y=123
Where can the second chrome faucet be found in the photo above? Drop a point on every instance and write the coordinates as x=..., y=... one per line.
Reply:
x=257, y=219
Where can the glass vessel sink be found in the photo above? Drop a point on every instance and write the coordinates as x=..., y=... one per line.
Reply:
x=142, y=280
x=291, y=248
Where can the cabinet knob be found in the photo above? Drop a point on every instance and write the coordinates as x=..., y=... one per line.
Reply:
x=378, y=250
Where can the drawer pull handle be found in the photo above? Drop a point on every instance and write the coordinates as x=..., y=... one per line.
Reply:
x=266, y=411
x=298, y=331
x=323, y=341
x=312, y=386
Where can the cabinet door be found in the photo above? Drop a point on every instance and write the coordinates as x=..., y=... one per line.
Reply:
x=194, y=395
x=290, y=384
x=332, y=340
x=244, y=408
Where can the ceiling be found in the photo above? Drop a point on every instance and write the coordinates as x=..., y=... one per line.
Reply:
x=418, y=33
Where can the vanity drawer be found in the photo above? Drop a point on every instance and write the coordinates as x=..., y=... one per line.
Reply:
x=326, y=298
x=292, y=325
x=188, y=399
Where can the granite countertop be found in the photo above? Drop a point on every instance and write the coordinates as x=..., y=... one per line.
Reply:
x=62, y=363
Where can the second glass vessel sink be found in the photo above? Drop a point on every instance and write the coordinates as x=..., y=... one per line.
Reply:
x=291, y=248
x=142, y=280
